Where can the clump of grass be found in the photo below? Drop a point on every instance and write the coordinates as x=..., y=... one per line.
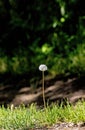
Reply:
x=32, y=117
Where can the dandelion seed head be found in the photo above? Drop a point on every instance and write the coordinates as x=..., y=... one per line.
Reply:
x=42, y=67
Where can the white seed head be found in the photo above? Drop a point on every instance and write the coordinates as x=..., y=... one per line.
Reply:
x=42, y=67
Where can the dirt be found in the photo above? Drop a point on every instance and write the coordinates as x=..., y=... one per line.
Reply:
x=18, y=90
x=68, y=126
x=63, y=126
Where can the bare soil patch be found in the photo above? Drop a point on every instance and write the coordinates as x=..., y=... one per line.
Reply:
x=17, y=90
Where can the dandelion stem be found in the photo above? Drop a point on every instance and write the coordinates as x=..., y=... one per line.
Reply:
x=43, y=89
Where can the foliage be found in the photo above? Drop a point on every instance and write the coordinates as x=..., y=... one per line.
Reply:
x=41, y=32
x=77, y=59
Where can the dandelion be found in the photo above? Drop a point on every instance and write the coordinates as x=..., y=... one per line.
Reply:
x=43, y=68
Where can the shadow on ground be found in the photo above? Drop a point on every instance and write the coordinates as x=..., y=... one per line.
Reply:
x=18, y=90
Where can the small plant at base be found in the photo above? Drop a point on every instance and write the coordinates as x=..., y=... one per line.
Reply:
x=43, y=68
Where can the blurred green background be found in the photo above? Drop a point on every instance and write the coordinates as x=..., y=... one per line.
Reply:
x=51, y=32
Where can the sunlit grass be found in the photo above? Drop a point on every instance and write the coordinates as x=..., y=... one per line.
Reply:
x=33, y=117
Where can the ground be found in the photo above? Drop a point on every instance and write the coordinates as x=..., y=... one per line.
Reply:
x=17, y=90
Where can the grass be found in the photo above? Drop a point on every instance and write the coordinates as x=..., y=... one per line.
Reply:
x=22, y=118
